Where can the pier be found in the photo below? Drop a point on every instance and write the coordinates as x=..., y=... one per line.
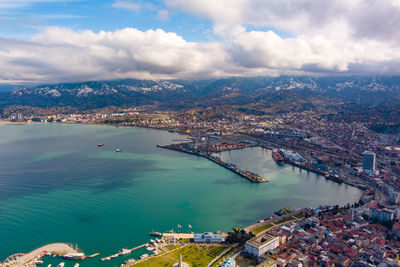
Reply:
x=55, y=248
x=119, y=253
x=253, y=177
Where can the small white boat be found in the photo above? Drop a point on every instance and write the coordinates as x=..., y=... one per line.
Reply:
x=61, y=264
x=76, y=265
x=130, y=261
x=49, y=265
x=150, y=248
x=124, y=251
x=144, y=256
x=38, y=262
x=117, y=150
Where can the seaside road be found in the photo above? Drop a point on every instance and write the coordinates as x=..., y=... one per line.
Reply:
x=54, y=248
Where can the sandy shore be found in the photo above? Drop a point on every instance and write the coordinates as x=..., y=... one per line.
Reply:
x=4, y=122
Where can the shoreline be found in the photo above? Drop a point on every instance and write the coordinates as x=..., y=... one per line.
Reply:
x=6, y=122
x=132, y=127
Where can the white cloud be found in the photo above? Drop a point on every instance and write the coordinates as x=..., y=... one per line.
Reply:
x=163, y=15
x=7, y=4
x=333, y=37
x=132, y=6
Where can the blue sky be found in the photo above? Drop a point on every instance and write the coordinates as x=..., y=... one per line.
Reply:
x=44, y=41
x=29, y=18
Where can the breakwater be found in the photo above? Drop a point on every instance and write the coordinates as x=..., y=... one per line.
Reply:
x=253, y=177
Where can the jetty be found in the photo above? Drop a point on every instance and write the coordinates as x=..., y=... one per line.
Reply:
x=54, y=248
x=253, y=177
x=119, y=253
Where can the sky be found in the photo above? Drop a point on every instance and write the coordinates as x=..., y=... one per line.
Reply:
x=51, y=41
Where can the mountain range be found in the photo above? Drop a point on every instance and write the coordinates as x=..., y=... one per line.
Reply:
x=302, y=92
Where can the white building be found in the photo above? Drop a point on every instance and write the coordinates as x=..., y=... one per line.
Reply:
x=258, y=246
x=381, y=213
x=208, y=237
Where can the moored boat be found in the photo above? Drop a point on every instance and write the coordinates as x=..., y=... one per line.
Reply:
x=61, y=264
x=100, y=145
x=124, y=251
x=76, y=256
x=277, y=157
x=156, y=234
x=144, y=256
x=334, y=178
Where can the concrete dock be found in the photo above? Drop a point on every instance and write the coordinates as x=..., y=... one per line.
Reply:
x=119, y=254
x=253, y=177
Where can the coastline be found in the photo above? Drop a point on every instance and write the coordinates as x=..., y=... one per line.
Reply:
x=255, y=218
x=6, y=122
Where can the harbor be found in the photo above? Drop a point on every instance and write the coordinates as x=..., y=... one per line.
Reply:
x=166, y=185
x=253, y=177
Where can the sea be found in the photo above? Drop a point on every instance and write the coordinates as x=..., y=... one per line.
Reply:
x=57, y=185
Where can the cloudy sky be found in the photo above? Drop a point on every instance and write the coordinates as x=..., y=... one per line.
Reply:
x=57, y=41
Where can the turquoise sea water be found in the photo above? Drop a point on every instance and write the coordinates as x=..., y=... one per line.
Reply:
x=56, y=185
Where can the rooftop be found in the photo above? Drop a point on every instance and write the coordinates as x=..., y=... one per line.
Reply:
x=265, y=238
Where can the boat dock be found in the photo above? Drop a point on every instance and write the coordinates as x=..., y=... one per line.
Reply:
x=253, y=177
x=119, y=253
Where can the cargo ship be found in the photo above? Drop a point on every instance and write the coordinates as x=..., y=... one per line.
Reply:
x=334, y=178
x=277, y=157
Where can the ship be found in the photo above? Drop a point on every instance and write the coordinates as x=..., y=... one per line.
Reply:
x=156, y=234
x=61, y=264
x=124, y=251
x=144, y=256
x=77, y=256
x=277, y=157
x=283, y=211
x=118, y=150
x=334, y=178
x=100, y=145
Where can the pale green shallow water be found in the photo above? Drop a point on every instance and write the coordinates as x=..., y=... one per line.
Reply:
x=57, y=186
